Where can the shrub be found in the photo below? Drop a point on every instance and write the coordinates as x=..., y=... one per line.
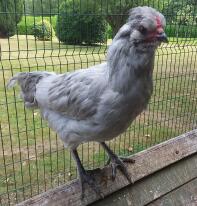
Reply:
x=109, y=32
x=26, y=25
x=43, y=31
x=10, y=15
x=77, y=27
x=181, y=31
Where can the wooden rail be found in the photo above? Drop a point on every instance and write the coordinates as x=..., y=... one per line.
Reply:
x=147, y=162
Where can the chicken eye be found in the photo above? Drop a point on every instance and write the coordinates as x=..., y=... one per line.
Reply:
x=143, y=30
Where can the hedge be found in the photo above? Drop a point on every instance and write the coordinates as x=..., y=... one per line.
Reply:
x=78, y=26
x=27, y=24
x=11, y=13
x=43, y=31
x=181, y=31
x=171, y=30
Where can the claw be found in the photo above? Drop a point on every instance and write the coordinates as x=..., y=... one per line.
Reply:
x=108, y=162
x=124, y=159
x=117, y=162
x=86, y=177
x=127, y=160
x=114, y=166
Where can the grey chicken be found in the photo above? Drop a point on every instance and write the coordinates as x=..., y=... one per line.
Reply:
x=99, y=103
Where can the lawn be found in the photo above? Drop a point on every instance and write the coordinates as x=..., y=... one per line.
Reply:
x=32, y=158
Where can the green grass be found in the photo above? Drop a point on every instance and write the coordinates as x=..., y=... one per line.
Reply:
x=34, y=156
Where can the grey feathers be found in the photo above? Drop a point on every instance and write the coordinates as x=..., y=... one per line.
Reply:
x=98, y=103
x=27, y=82
x=77, y=94
x=137, y=14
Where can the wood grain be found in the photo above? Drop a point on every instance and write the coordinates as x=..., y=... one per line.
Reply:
x=163, y=188
x=184, y=195
x=146, y=162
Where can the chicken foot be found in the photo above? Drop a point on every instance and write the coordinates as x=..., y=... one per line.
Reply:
x=117, y=162
x=85, y=176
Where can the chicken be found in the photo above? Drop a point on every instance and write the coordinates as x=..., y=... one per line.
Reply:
x=99, y=103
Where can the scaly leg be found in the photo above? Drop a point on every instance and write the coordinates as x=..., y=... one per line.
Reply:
x=117, y=162
x=85, y=176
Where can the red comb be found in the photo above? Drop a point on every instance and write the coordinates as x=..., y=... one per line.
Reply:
x=158, y=22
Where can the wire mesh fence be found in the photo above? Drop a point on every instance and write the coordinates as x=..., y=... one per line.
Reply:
x=63, y=36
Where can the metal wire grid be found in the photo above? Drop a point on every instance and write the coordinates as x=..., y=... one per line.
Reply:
x=32, y=158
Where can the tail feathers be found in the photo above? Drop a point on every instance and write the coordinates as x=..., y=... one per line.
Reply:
x=27, y=82
x=12, y=82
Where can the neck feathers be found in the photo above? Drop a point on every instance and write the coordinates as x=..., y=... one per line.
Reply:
x=127, y=63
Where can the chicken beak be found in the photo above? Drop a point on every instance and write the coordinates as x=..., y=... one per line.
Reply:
x=162, y=37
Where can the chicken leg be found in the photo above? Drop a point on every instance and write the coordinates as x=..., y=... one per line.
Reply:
x=85, y=176
x=117, y=162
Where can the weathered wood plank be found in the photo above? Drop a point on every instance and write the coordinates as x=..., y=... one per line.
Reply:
x=185, y=195
x=153, y=189
x=147, y=162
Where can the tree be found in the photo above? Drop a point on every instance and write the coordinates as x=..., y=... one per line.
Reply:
x=42, y=7
x=181, y=12
x=117, y=11
x=11, y=12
